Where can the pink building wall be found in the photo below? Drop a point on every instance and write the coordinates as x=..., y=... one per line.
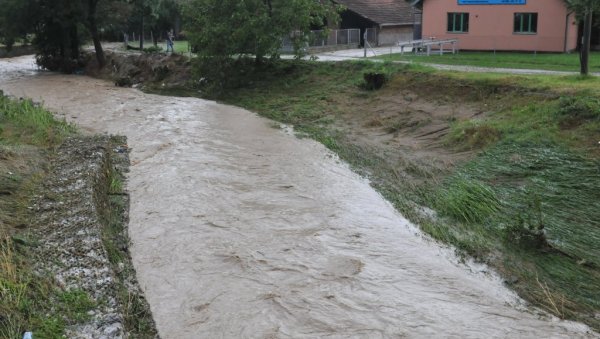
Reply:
x=491, y=26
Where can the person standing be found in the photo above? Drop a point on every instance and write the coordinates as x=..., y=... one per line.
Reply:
x=170, y=38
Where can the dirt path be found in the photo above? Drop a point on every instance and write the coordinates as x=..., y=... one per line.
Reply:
x=241, y=230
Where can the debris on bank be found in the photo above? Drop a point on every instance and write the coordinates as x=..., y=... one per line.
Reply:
x=135, y=69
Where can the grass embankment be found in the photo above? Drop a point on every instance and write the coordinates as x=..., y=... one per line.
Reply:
x=527, y=199
x=542, y=61
x=31, y=300
x=27, y=135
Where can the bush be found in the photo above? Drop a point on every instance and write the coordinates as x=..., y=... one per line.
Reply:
x=374, y=81
x=574, y=110
x=376, y=74
x=528, y=227
x=153, y=50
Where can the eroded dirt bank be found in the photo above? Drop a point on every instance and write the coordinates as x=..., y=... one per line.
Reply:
x=242, y=230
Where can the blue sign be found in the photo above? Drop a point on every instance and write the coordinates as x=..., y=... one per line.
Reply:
x=492, y=2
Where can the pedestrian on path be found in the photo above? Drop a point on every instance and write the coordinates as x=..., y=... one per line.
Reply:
x=170, y=38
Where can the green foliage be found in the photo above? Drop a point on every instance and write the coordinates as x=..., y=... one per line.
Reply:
x=225, y=28
x=582, y=107
x=473, y=135
x=527, y=228
x=29, y=302
x=582, y=6
x=14, y=21
x=25, y=122
x=153, y=50
x=376, y=75
x=222, y=30
x=74, y=304
x=523, y=60
x=467, y=199
x=533, y=186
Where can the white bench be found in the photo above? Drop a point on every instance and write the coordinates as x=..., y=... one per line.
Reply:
x=427, y=43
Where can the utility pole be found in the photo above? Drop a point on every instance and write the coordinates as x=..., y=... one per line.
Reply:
x=365, y=42
x=585, y=46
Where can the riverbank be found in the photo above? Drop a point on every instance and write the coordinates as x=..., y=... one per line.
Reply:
x=64, y=258
x=246, y=217
x=16, y=51
x=502, y=167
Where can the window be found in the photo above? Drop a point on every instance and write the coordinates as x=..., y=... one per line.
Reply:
x=458, y=22
x=526, y=23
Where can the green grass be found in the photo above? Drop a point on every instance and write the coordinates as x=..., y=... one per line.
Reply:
x=541, y=61
x=28, y=301
x=23, y=122
x=180, y=46
x=527, y=202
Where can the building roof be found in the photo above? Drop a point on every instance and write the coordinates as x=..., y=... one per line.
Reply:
x=382, y=12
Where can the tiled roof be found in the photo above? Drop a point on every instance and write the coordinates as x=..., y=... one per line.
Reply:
x=382, y=12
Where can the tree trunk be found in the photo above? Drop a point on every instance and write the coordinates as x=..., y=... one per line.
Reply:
x=585, y=47
x=73, y=42
x=142, y=29
x=154, y=37
x=94, y=32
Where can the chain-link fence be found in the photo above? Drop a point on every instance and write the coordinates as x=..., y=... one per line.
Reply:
x=316, y=39
x=372, y=36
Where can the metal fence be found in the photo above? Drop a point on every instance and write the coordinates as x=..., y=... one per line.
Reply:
x=372, y=37
x=316, y=39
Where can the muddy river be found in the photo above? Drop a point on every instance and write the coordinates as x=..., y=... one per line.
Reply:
x=242, y=230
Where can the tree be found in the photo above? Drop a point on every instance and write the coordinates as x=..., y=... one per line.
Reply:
x=92, y=24
x=224, y=28
x=154, y=15
x=58, y=37
x=15, y=22
x=59, y=28
x=585, y=10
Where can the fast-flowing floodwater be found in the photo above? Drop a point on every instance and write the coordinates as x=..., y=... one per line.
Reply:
x=241, y=230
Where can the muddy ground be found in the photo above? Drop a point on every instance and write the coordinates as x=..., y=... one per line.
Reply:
x=402, y=127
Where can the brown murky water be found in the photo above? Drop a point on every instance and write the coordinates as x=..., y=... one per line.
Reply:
x=241, y=230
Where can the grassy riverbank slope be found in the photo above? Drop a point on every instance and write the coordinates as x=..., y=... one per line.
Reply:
x=60, y=195
x=505, y=168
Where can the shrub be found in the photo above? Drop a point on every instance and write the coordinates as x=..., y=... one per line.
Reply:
x=575, y=110
x=527, y=228
x=153, y=49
